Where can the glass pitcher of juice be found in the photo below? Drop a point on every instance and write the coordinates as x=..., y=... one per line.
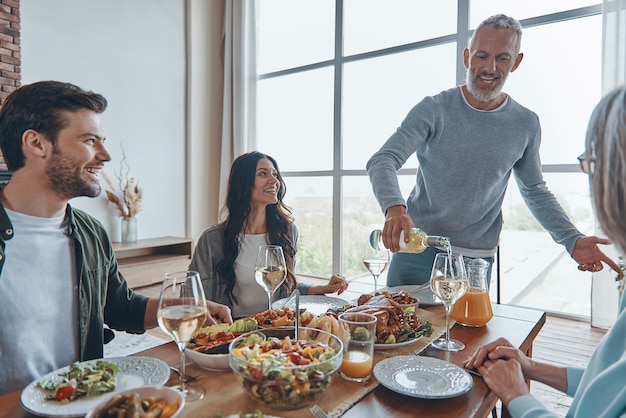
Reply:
x=474, y=308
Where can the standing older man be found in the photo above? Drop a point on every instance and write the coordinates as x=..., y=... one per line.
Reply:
x=468, y=140
x=59, y=279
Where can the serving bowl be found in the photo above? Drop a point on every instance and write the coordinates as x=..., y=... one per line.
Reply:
x=409, y=309
x=408, y=302
x=168, y=396
x=281, y=374
x=404, y=299
x=209, y=361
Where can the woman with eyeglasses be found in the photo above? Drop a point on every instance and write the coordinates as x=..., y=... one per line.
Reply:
x=599, y=390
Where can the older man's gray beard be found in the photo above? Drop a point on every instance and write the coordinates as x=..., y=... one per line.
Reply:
x=482, y=95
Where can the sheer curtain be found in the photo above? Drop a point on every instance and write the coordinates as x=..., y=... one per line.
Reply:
x=604, y=294
x=613, y=44
x=239, y=107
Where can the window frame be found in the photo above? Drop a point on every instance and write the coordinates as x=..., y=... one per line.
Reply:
x=461, y=37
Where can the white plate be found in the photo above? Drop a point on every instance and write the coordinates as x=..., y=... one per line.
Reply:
x=396, y=345
x=422, y=377
x=316, y=304
x=134, y=372
x=420, y=291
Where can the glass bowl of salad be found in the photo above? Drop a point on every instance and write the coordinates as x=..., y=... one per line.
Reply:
x=281, y=372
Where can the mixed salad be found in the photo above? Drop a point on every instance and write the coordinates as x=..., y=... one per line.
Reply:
x=284, y=373
x=209, y=339
x=82, y=379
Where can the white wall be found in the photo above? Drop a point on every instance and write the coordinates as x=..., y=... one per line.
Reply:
x=132, y=52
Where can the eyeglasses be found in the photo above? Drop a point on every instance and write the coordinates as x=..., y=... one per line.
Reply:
x=587, y=165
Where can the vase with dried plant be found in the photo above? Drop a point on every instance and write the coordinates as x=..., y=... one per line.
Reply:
x=127, y=198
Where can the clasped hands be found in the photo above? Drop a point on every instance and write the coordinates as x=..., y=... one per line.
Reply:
x=504, y=369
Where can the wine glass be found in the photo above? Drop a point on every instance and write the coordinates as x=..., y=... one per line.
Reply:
x=448, y=281
x=182, y=311
x=376, y=261
x=270, y=271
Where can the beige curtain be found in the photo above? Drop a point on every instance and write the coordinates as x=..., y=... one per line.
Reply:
x=239, y=101
x=604, y=293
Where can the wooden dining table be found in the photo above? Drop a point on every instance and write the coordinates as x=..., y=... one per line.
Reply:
x=224, y=394
x=519, y=325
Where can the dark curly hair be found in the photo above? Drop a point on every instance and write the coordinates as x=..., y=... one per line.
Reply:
x=40, y=106
x=278, y=219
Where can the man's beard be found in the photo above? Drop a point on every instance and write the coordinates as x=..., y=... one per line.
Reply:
x=483, y=95
x=65, y=177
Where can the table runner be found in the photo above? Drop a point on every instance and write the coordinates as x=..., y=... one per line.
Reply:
x=224, y=393
x=350, y=392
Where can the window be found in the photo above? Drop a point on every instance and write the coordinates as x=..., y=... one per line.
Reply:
x=332, y=89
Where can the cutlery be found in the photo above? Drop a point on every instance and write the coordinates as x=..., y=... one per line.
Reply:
x=472, y=371
x=318, y=412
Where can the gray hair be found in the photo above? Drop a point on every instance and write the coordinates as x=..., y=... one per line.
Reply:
x=501, y=22
x=606, y=150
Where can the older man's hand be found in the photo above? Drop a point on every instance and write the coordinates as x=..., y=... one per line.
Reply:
x=590, y=257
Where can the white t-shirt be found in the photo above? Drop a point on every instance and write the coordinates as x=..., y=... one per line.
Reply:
x=252, y=297
x=38, y=301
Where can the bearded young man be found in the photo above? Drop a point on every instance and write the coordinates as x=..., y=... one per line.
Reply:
x=468, y=140
x=59, y=279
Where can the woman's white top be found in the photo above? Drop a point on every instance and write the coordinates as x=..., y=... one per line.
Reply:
x=252, y=297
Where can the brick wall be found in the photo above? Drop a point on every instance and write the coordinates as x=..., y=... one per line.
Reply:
x=10, y=51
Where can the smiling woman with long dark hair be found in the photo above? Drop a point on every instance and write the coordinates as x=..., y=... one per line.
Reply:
x=255, y=215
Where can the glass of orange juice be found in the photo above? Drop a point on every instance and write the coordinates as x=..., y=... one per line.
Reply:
x=358, y=353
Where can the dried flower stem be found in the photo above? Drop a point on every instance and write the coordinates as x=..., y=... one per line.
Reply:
x=128, y=199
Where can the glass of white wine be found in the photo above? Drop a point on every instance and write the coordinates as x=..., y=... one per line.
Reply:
x=448, y=281
x=376, y=261
x=270, y=271
x=182, y=311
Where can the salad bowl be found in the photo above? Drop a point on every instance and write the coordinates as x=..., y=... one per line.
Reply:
x=283, y=373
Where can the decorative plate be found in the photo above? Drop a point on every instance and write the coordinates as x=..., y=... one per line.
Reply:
x=134, y=372
x=422, y=377
x=421, y=291
x=316, y=304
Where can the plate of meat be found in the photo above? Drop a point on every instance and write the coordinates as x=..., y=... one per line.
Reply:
x=390, y=346
x=422, y=292
x=395, y=327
